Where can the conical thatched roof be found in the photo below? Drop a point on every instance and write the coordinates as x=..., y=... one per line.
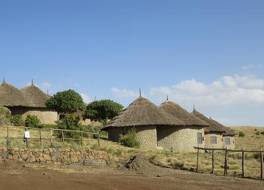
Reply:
x=143, y=113
x=30, y=96
x=178, y=112
x=214, y=126
x=34, y=96
x=11, y=96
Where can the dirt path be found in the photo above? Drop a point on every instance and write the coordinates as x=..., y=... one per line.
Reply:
x=16, y=177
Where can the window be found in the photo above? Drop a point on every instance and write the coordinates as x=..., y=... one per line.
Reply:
x=199, y=138
x=213, y=139
x=227, y=140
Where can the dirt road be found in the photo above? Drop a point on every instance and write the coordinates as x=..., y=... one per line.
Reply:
x=18, y=177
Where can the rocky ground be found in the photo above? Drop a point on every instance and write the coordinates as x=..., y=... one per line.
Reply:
x=136, y=174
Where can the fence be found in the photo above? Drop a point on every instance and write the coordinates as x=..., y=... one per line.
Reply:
x=226, y=156
x=46, y=137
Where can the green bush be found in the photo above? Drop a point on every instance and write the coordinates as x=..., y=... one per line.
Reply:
x=129, y=139
x=5, y=116
x=241, y=134
x=32, y=121
x=17, y=120
x=257, y=133
x=262, y=133
x=70, y=122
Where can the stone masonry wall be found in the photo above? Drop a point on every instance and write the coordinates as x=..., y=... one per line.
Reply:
x=220, y=143
x=65, y=156
x=179, y=139
x=147, y=137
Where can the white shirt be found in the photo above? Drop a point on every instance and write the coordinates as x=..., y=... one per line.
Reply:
x=27, y=134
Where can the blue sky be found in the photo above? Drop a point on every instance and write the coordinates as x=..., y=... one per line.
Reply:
x=207, y=53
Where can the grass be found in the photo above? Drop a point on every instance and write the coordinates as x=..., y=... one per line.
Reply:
x=186, y=161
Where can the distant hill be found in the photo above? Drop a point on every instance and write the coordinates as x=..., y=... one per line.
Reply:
x=253, y=137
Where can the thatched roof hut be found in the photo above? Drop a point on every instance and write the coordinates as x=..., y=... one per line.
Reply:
x=30, y=96
x=11, y=96
x=214, y=126
x=142, y=112
x=34, y=96
x=177, y=111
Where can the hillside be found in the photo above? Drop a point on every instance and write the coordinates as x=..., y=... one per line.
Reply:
x=253, y=138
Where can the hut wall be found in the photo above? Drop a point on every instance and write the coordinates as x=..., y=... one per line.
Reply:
x=231, y=140
x=147, y=137
x=179, y=139
x=45, y=116
x=219, y=140
x=114, y=134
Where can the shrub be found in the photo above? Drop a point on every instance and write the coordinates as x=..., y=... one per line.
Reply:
x=257, y=133
x=32, y=121
x=5, y=116
x=262, y=133
x=17, y=120
x=70, y=122
x=241, y=134
x=129, y=139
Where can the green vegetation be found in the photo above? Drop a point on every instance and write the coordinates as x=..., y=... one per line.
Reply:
x=241, y=134
x=70, y=122
x=66, y=102
x=103, y=110
x=32, y=121
x=5, y=116
x=17, y=120
x=129, y=139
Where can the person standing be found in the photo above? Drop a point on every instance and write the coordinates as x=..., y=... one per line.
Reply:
x=26, y=136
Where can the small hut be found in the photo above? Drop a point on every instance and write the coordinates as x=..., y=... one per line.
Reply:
x=182, y=138
x=27, y=101
x=216, y=135
x=144, y=117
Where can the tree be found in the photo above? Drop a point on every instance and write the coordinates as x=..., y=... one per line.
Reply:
x=103, y=110
x=32, y=121
x=66, y=102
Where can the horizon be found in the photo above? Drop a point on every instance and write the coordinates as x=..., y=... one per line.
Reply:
x=207, y=54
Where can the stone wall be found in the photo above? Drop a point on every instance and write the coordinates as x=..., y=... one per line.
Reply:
x=65, y=156
x=147, y=137
x=220, y=143
x=45, y=116
x=232, y=142
x=179, y=139
x=114, y=134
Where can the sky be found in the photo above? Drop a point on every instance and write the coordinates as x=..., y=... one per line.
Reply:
x=202, y=53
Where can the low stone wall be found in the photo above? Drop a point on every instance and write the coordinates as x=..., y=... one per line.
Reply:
x=52, y=155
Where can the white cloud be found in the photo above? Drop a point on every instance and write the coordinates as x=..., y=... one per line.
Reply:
x=124, y=93
x=86, y=98
x=228, y=90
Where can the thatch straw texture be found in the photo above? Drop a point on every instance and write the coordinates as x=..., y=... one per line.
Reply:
x=178, y=112
x=214, y=126
x=142, y=112
x=30, y=96
x=34, y=96
x=11, y=96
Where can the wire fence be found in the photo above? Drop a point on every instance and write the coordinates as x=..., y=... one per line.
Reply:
x=13, y=137
x=243, y=156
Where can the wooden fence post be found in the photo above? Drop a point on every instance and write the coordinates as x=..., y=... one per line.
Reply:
x=197, y=160
x=212, y=161
x=40, y=138
x=7, y=137
x=62, y=135
x=98, y=139
x=225, y=164
x=243, y=163
x=51, y=134
x=261, y=165
x=81, y=138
